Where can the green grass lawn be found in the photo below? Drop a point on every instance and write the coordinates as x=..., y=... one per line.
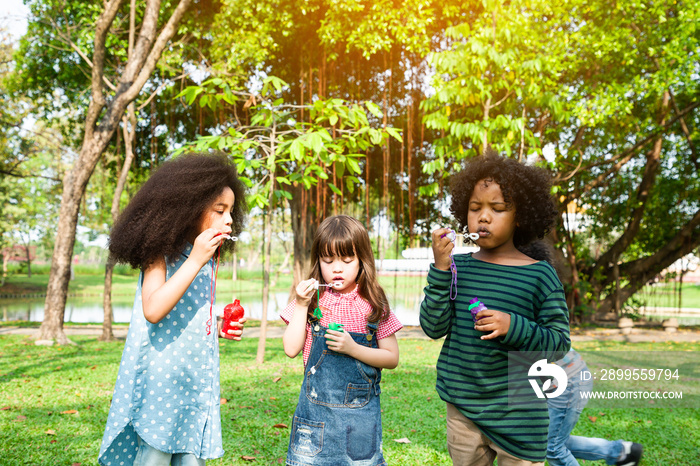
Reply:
x=54, y=403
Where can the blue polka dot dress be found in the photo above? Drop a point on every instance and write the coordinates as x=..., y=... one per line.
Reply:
x=167, y=389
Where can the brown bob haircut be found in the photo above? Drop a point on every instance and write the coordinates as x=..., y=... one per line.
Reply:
x=344, y=236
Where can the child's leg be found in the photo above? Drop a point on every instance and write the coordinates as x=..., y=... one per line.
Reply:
x=187, y=459
x=465, y=442
x=564, y=412
x=149, y=456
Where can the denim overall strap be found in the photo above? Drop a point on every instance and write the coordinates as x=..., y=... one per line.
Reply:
x=338, y=418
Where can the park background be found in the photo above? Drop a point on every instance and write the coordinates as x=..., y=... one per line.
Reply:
x=364, y=108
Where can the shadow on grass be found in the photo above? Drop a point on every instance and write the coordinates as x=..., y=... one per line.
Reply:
x=55, y=402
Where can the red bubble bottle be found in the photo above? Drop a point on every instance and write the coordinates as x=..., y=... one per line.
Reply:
x=232, y=313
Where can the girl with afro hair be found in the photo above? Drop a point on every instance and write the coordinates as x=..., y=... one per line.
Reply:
x=518, y=306
x=166, y=405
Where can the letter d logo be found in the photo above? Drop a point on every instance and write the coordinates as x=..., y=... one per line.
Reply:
x=542, y=369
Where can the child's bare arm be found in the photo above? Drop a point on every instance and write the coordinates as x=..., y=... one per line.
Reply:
x=160, y=295
x=385, y=357
x=295, y=333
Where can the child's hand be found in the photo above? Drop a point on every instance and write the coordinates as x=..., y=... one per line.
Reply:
x=496, y=322
x=442, y=248
x=205, y=245
x=340, y=342
x=233, y=334
x=305, y=290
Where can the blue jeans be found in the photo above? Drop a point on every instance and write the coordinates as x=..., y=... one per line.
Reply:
x=564, y=411
x=149, y=456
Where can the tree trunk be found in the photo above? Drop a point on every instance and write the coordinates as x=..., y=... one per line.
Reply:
x=4, y=268
x=57, y=290
x=29, y=263
x=101, y=121
x=129, y=131
x=267, y=239
x=304, y=219
x=267, y=248
x=608, y=260
x=107, y=319
x=640, y=272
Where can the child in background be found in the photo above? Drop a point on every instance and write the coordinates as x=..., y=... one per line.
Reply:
x=564, y=410
x=508, y=205
x=338, y=418
x=166, y=402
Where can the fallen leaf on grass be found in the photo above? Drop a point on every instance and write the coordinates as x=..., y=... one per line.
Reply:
x=593, y=418
x=75, y=464
x=276, y=379
x=70, y=411
x=20, y=418
x=224, y=401
x=402, y=440
x=5, y=408
x=53, y=441
x=281, y=426
x=248, y=458
x=50, y=432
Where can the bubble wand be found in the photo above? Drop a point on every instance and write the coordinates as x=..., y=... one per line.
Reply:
x=452, y=236
x=317, y=312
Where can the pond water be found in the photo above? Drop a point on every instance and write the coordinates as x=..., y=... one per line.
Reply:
x=406, y=307
x=91, y=311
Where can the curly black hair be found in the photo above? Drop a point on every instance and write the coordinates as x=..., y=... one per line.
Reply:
x=168, y=207
x=525, y=187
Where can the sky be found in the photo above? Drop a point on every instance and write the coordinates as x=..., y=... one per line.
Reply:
x=13, y=16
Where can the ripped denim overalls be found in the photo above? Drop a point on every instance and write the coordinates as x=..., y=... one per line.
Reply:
x=338, y=420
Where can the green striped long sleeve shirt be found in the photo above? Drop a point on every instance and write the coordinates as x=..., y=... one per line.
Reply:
x=472, y=374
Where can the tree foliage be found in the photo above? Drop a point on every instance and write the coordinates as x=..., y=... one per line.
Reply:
x=603, y=94
x=612, y=91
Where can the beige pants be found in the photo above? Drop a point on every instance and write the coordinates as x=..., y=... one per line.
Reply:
x=469, y=447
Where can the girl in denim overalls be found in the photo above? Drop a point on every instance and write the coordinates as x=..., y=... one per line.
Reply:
x=338, y=419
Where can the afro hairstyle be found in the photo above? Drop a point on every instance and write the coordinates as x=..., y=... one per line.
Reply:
x=526, y=188
x=168, y=207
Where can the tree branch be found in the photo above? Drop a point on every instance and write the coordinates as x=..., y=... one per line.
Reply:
x=68, y=41
x=645, y=186
x=627, y=154
x=97, y=102
x=22, y=175
x=152, y=59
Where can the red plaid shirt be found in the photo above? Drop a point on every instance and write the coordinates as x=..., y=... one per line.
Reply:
x=349, y=309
